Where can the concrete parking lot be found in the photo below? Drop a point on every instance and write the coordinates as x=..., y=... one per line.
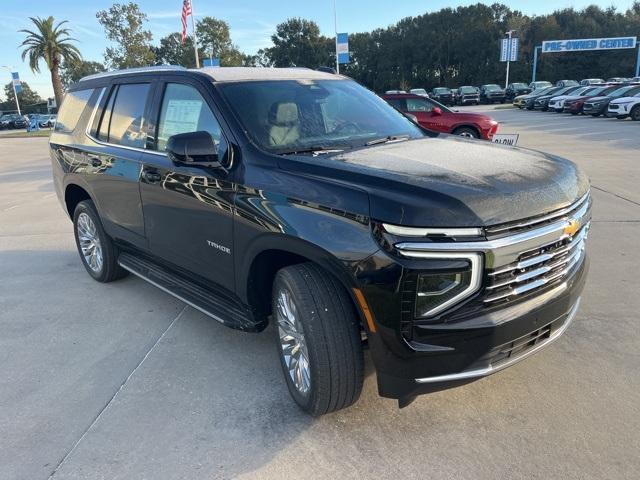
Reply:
x=121, y=381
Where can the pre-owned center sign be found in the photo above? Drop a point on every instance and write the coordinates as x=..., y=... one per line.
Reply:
x=552, y=46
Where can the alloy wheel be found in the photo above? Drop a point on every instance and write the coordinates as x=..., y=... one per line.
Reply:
x=292, y=342
x=89, y=241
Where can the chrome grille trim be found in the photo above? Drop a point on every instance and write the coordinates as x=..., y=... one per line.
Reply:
x=545, y=218
x=570, y=255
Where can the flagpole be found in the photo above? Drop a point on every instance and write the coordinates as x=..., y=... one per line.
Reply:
x=335, y=26
x=195, y=37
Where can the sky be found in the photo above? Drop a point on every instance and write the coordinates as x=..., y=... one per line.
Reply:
x=251, y=21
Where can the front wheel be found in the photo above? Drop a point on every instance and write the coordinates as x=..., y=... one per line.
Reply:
x=318, y=337
x=635, y=113
x=467, y=132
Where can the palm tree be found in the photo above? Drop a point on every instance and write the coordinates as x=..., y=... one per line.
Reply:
x=52, y=44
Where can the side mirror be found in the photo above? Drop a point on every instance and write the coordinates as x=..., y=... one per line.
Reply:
x=197, y=148
x=437, y=111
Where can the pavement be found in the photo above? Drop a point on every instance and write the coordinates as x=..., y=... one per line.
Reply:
x=121, y=381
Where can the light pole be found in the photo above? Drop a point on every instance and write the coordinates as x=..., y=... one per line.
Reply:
x=335, y=25
x=15, y=94
x=535, y=62
x=509, y=48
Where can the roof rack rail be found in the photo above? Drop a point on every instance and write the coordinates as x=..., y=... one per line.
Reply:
x=132, y=70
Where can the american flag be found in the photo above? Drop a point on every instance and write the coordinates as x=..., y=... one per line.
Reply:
x=186, y=11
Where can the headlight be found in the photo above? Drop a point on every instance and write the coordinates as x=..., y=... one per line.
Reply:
x=438, y=290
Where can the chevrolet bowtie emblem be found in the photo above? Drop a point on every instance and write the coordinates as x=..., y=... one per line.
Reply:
x=572, y=228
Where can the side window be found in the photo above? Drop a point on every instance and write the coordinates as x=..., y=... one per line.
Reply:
x=398, y=103
x=71, y=110
x=183, y=111
x=123, y=119
x=418, y=105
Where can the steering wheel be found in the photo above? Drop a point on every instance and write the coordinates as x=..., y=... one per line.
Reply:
x=347, y=128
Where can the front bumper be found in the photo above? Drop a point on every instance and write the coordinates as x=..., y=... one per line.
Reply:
x=484, y=345
x=594, y=109
x=619, y=110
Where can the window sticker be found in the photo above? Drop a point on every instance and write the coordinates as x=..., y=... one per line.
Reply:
x=181, y=116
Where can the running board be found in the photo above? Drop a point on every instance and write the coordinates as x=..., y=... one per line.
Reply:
x=215, y=304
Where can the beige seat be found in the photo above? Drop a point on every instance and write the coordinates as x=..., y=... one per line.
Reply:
x=285, y=124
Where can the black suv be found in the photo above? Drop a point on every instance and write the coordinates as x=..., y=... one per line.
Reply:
x=443, y=95
x=492, y=93
x=12, y=121
x=515, y=89
x=301, y=199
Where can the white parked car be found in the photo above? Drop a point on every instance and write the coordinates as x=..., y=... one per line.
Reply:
x=557, y=103
x=419, y=91
x=625, y=107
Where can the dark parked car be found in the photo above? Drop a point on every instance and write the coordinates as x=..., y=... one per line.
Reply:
x=515, y=89
x=300, y=198
x=468, y=95
x=540, y=85
x=443, y=95
x=542, y=101
x=434, y=116
x=492, y=93
x=597, y=106
x=529, y=101
x=575, y=104
x=13, y=121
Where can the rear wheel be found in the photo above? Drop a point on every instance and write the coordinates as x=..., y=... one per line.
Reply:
x=467, y=132
x=318, y=337
x=635, y=113
x=97, y=251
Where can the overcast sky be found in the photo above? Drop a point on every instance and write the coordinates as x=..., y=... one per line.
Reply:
x=251, y=21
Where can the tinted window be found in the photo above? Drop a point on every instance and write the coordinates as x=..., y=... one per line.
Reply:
x=124, y=116
x=71, y=109
x=289, y=115
x=184, y=110
x=418, y=105
x=398, y=103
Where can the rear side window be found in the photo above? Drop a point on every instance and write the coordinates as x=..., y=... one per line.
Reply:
x=397, y=103
x=418, y=105
x=123, y=119
x=71, y=110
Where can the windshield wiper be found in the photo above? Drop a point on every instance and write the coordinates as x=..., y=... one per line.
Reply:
x=387, y=139
x=315, y=150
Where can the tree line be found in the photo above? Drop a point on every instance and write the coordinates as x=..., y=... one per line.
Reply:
x=449, y=47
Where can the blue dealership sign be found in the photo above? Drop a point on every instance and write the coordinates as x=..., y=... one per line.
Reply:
x=211, y=62
x=342, y=47
x=15, y=79
x=585, y=44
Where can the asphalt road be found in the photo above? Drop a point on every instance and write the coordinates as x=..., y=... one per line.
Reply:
x=121, y=381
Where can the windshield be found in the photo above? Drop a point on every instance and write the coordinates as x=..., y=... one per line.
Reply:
x=622, y=91
x=419, y=91
x=542, y=84
x=519, y=85
x=492, y=87
x=468, y=90
x=294, y=115
x=441, y=90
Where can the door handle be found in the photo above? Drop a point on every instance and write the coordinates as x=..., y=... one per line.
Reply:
x=151, y=177
x=95, y=162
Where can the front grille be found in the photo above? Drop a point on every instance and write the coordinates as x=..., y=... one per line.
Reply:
x=520, y=226
x=536, y=269
x=519, y=346
x=613, y=107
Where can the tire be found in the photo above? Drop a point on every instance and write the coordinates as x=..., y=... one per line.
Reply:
x=97, y=251
x=322, y=316
x=467, y=132
x=595, y=115
x=635, y=113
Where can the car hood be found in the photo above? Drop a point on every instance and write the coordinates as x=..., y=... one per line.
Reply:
x=447, y=181
x=626, y=99
x=470, y=117
x=598, y=99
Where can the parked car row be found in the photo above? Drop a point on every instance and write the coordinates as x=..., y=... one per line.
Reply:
x=620, y=100
x=12, y=121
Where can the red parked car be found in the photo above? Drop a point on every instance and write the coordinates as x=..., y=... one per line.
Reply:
x=435, y=116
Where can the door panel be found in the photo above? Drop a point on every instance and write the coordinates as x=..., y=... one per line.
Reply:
x=188, y=210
